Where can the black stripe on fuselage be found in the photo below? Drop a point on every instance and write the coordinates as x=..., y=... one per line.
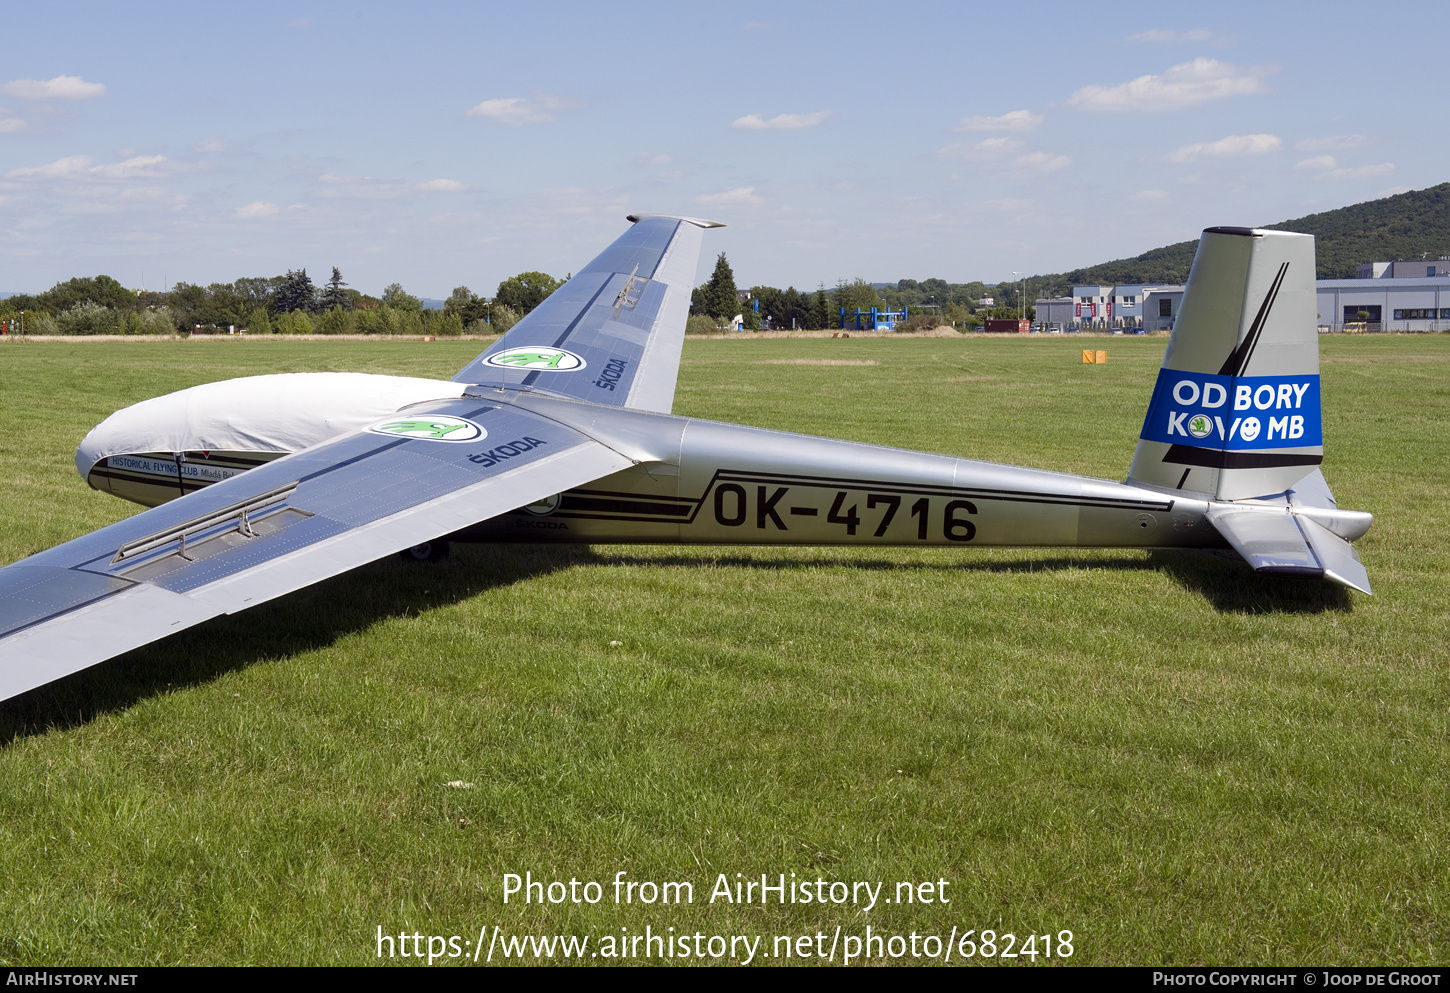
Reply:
x=167, y=482
x=600, y=505
x=932, y=489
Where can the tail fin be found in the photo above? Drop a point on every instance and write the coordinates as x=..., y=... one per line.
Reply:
x=1235, y=412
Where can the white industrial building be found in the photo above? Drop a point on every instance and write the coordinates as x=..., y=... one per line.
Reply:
x=1402, y=269
x=1387, y=296
x=1133, y=307
x=1386, y=303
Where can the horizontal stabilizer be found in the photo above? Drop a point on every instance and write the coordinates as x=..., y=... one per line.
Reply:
x=1289, y=544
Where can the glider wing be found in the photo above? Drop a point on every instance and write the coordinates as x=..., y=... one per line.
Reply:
x=427, y=471
x=612, y=333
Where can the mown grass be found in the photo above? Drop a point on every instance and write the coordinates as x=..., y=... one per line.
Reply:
x=1175, y=759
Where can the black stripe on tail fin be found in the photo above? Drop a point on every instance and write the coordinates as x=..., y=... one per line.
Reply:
x=1238, y=359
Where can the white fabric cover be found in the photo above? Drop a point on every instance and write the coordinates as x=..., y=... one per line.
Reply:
x=281, y=413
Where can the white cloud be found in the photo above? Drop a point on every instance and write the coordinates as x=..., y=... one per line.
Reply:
x=1044, y=161
x=89, y=207
x=1172, y=37
x=514, y=111
x=1149, y=196
x=59, y=88
x=212, y=145
x=8, y=123
x=336, y=187
x=1181, y=86
x=79, y=167
x=743, y=196
x=258, y=209
x=72, y=165
x=145, y=193
x=783, y=122
x=1011, y=204
x=981, y=151
x=1334, y=143
x=136, y=167
x=1017, y=120
x=442, y=186
x=1360, y=172
x=1328, y=168
x=1234, y=146
x=646, y=159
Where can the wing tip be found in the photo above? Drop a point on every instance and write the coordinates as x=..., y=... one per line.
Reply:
x=697, y=221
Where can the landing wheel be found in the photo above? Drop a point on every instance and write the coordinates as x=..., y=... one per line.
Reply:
x=429, y=551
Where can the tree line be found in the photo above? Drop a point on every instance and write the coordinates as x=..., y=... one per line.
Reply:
x=287, y=304
x=716, y=303
x=293, y=304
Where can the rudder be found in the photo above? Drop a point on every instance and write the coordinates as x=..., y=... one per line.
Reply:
x=1235, y=412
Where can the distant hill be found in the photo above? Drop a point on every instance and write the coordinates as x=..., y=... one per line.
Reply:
x=1403, y=226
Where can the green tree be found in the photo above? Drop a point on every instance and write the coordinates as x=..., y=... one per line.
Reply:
x=294, y=322
x=102, y=290
x=823, y=316
x=784, y=309
x=524, y=292
x=334, y=320
x=400, y=299
x=334, y=295
x=295, y=293
x=720, y=299
x=87, y=317
x=857, y=294
x=19, y=302
x=442, y=322
x=504, y=317
x=186, y=301
x=149, y=320
x=39, y=322
x=257, y=291
x=468, y=307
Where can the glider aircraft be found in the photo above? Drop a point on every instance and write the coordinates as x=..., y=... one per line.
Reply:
x=561, y=431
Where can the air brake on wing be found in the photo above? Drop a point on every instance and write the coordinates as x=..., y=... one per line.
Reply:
x=238, y=518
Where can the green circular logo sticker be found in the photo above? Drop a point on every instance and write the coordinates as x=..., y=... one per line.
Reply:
x=535, y=358
x=438, y=427
x=1200, y=426
x=545, y=506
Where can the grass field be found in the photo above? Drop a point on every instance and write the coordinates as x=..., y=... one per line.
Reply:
x=1174, y=759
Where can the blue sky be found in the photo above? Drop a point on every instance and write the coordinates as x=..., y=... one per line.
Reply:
x=439, y=144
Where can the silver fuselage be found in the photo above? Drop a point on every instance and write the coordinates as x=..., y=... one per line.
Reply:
x=705, y=482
